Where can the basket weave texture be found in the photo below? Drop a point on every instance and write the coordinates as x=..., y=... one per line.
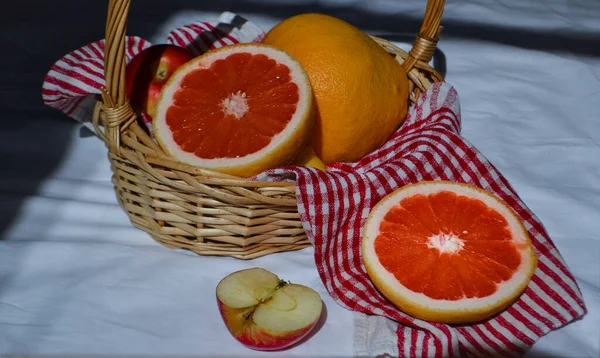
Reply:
x=207, y=212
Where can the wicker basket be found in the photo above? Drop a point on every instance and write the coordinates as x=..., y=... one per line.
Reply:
x=210, y=213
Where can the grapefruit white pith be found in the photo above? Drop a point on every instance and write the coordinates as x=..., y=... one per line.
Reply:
x=447, y=252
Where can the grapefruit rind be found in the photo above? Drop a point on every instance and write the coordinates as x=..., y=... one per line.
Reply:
x=283, y=148
x=465, y=310
x=361, y=91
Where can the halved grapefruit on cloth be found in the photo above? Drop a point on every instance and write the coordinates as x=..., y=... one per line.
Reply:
x=447, y=252
x=240, y=109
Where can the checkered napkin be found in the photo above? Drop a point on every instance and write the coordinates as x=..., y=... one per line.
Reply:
x=333, y=205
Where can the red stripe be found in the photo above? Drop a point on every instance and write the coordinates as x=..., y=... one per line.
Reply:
x=546, y=307
x=86, y=53
x=69, y=106
x=433, y=101
x=525, y=321
x=438, y=346
x=84, y=65
x=330, y=195
x=381, y=184
x=178, y=40
x=401, y=340
x=65, y=85
x=391, y=182
x=451, y=98
x=445, y=159
x=191, y=41
x=229, y=37
x=89, y=59
x=82, y=54
x=464, y=159
x=446, y=330
x=77, y=76
x=515, y=331
x=413, y=342
x=98, y=49
x=426, y=346
x=212, y=29
x=505, y=341
x=134, y=45
x=222, y=34
x=69, y=70
x=77, y=103
x=50, y=92
x=540, y=242
x=561, y=266
x=60, y=105
x=497, y=349
x=371, y=293
x=458, y=169
x=534, y=313
x=449, y=164
x=554, y=296
x=561, y=282
x=472, y=342
x=435, y=165
x=141, y=46
x=202, y=39
x=444, y=119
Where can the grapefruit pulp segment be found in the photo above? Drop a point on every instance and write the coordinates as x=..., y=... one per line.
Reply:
x=400, y=216
x=490, y=225
x=491, y=269
x=503, y=252
x=415, y=273
x=443, y=283
x=442, y=204
x=418, y=205
x=466, y=211
x=473, y=282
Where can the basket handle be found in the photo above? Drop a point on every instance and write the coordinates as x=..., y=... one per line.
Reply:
x=117, y=110
x=118, y=113
x=426, y=42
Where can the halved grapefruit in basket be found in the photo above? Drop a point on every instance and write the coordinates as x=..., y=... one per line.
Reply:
x=240, y=109
x=447, y=252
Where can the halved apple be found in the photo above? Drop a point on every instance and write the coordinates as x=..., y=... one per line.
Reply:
x=264, y=312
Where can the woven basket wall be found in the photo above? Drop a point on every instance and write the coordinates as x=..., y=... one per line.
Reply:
x=210, y=213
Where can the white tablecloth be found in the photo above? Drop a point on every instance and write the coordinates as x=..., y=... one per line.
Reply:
x=77, y=278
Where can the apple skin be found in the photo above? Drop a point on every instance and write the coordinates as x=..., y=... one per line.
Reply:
x=255, y=337
x=149, y=70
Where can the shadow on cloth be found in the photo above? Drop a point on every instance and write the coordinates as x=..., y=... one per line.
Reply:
x=143, y=14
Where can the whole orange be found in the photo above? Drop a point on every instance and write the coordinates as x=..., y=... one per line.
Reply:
x=361, y=91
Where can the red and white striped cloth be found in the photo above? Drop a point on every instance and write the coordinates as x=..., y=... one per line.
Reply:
x=333, y=205
x=74, y=82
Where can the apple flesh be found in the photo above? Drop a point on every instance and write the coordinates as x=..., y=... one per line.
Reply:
x=264, y=312
x=149, y=71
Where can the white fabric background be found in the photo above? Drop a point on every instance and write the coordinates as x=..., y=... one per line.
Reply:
x=77, y=278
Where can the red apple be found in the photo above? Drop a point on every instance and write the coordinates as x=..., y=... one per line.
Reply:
x=148, y=72
x=264, y=312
